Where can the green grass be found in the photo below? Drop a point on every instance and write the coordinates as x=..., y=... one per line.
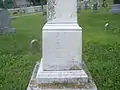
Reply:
x=94, y=29
x=101, y=50
x=16, y=61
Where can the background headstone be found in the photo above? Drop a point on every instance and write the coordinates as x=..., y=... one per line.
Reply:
x=116, y=7
x=5, y=22
x=86, y=4
x=29, y=10
x=95, y=5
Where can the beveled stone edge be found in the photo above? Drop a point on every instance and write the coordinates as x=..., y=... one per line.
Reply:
x=34, y=86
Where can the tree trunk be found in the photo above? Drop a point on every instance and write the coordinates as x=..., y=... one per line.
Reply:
x=41, y=2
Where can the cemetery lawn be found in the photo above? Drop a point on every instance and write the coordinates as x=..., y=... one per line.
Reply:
x=101, y=50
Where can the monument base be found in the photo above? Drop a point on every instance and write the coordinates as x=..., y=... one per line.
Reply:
x=60, y=80
x=115, y=9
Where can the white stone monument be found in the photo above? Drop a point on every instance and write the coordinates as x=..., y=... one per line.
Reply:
x=61, y=66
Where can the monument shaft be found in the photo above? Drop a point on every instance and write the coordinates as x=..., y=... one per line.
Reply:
x=62, y=11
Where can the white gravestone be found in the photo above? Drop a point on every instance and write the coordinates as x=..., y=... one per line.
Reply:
x=61, y=61
x=30, y=10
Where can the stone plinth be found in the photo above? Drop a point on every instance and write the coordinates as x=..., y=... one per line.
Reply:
x=60, y=80
x=66, y=76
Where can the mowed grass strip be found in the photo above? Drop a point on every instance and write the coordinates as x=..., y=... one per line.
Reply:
x=102, y=47
x=16, y=60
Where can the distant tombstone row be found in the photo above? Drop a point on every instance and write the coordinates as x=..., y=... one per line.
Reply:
x=25, y=10
x=5, y=22
x=29, y=10
x=87, y=5
x=95, y=4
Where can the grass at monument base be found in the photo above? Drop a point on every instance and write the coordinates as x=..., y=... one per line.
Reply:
x=101, y=50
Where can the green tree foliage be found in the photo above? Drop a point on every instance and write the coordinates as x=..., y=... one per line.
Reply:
x=38, y=2
x=6, y=4
x=1, y=4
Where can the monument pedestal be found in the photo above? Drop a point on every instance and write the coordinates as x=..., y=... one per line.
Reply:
x=67, y=76
x=61, y=67
x=60, y=80
x=115, y=9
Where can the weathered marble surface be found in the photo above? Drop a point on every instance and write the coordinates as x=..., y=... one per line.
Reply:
x=62, y=11
x=68, y=76
x=62, y=47
x=35, y=82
